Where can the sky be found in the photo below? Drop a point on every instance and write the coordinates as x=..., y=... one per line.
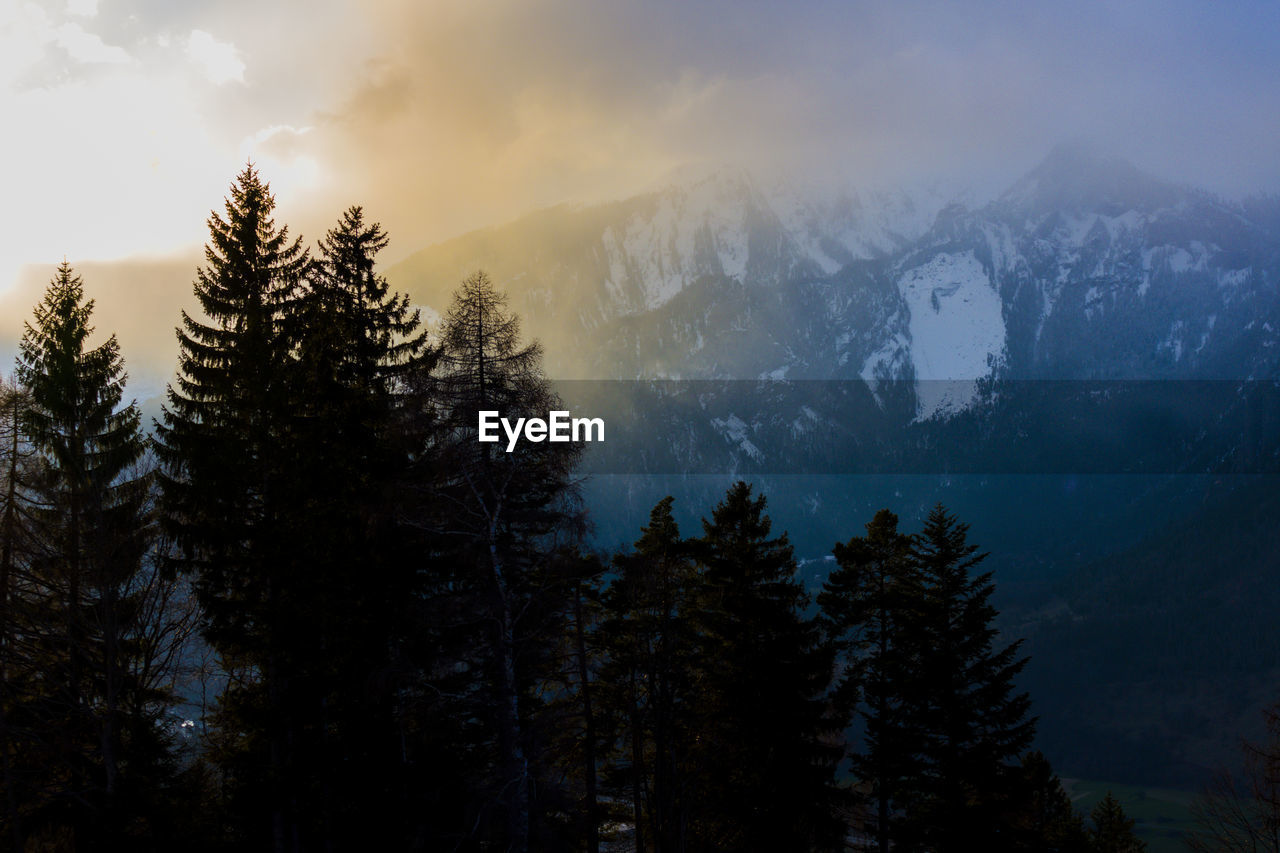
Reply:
x=124, y=121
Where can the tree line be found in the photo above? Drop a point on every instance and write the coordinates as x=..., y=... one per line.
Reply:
x=415, y=647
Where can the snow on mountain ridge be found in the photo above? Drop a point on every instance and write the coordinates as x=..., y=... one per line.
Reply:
x=719, y=224
x=696, y=230
x=732, y=276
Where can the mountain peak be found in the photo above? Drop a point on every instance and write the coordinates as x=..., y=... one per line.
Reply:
x=1077, y=177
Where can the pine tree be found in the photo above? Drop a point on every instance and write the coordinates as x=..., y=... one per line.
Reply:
x=765, y=771
x=17, y=521
x=381, y=339
x=1038, y=815
x=493, y=514
x=355, y=344
x=90, y=537
x=1112, y=830
x=226, y=489
x=870, y=603
x=651, y=640
x=970, y=720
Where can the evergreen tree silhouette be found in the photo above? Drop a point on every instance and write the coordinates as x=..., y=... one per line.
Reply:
x=870, y=603
x=1038, y=814
x=651, y=638
x=1112, y=830
x=347, y=451
x=765, y=766
x=971, y=722
x=226, y=494
x=89, y=535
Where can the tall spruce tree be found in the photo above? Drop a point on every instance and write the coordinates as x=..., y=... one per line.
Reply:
x=90, y=535
x=765, y=766
x=226, y=494
x=870, y=603
x=650, y=636
x=381, y=336
x=971, y=722
x=355, y=344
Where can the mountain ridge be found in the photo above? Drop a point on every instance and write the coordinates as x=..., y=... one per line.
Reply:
x=1085, y=268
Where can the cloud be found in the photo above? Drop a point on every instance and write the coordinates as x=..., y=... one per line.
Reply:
x=110, y=152
x=27, y=32
x=445, y=116
x=473, y=112
x=82, y=8
x=84, y=46
x=456, y=114
x=138, y=300
x=219, y=60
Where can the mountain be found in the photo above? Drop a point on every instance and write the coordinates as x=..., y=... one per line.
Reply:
x=1084, y=367
x=658, y=269
x=1085, y=268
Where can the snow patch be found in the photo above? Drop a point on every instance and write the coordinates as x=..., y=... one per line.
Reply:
x=957, y=330
x=1173, y=343
x=1234, y=278
x=735, y=429
x=1180, y=260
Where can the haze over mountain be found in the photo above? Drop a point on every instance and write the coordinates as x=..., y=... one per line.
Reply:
x=1085, y=268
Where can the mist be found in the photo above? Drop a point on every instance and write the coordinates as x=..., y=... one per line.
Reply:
x=445, y=117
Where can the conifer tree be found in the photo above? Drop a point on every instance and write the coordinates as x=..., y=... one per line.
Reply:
x=1112, y=830
x=355, y=343
x=226, y=489
x=1038, y=815
x=380, y=334
x=90, y=537
x=651, y=640
x=493, y=513
x=765, y=767
x=870, y=603
x=17, y=522
x=970, y=721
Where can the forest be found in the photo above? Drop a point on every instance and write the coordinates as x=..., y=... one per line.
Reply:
x=307, y=610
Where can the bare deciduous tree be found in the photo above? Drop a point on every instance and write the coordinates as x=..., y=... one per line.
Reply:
x=1243, y=813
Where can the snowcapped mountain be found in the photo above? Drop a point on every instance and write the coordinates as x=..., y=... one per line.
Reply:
x=1086, y=268
x=1104, y=272
x=658, y=284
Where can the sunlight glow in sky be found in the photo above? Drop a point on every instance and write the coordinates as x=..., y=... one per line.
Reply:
x=126, y=120
x=120, y=147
